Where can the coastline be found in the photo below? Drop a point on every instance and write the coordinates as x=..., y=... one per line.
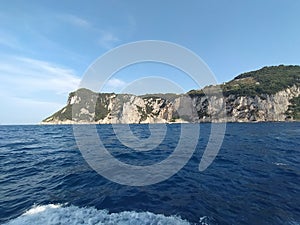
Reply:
x=185, y=122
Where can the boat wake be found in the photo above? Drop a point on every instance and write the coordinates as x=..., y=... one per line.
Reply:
x=69, y=215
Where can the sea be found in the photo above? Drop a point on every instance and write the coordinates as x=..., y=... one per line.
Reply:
x=254, y=178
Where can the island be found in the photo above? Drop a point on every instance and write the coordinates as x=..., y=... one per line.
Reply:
x=268, y=94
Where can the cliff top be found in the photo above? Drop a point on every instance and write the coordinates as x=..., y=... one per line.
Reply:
x=267, y=80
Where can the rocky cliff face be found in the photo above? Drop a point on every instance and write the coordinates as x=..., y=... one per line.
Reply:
x=269, y=94
x=85, y=106
x=261, y=108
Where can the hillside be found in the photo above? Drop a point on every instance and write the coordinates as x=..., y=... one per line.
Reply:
x=269, y=94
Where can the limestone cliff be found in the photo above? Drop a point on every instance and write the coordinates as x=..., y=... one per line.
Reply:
x=269, y=94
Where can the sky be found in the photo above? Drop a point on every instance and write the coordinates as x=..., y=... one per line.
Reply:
x=47, y=46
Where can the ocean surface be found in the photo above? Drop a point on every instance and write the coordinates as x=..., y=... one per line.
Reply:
x=255, y=178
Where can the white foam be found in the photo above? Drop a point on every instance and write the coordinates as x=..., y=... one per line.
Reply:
x=58, y=214
x=42, y=208
x=280, y=164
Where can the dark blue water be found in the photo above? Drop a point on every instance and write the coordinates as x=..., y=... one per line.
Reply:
x=255, y=178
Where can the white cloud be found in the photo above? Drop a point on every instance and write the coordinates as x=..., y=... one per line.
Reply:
x=34, y=87
x=115, y=83
x=31, y=75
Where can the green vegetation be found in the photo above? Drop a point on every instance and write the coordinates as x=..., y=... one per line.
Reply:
x=168, y=96
x=195, y=93
x=267, y=80
x=202, y=113
x=64, y=114
x=101, y=110
x=143, y=113
x=149, y=109
x=175, y=116
x=294, y=109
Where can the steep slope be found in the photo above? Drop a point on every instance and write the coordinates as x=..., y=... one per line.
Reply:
x=269, y=94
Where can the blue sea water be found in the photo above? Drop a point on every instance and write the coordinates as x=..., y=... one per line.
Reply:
x=255, y=178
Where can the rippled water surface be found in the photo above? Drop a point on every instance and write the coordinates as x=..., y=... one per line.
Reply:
x=255, y=178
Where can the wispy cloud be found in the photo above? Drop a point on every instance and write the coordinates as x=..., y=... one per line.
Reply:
x=31, y=75
x=114, y=85
x=107, y=39
x=9, y=40
x=75, y=20
x=132, y=25
x=34, y=87
x=12, y=43
x=104, y=38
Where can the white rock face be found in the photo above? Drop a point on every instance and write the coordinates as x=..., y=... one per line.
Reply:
x=74, y=100
x=268, y=108
x=111, y=108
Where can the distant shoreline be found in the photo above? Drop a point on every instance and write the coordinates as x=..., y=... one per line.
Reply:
x=231, y=122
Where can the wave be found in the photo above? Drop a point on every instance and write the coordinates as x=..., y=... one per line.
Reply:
x=69, y=215
x=279, y=164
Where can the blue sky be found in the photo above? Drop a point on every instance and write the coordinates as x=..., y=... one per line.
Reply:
x=46, y=46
